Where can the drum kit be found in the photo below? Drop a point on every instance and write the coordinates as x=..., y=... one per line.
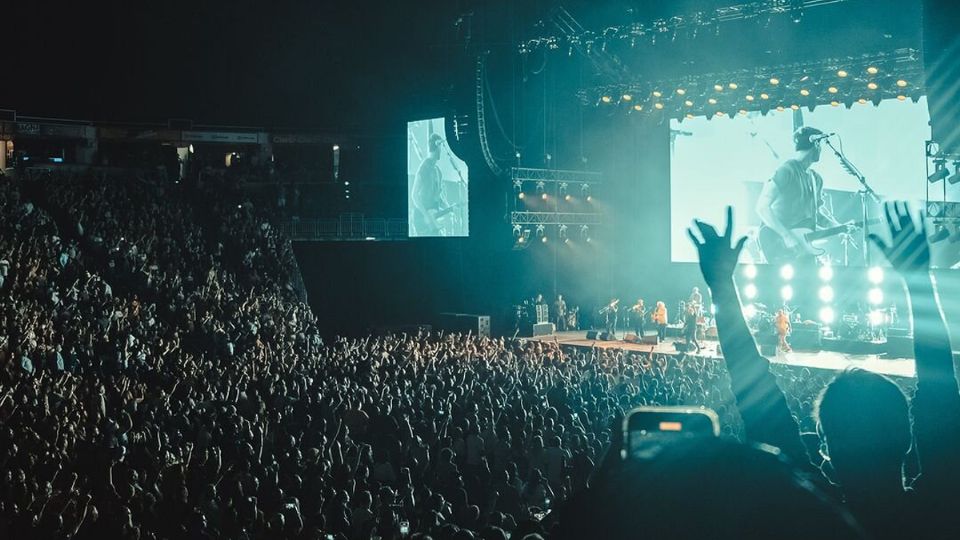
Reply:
x=867, y=326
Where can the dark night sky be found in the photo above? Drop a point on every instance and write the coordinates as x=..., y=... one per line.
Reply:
x=313, y=64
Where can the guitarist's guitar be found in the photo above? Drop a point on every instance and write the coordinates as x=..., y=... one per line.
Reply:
x=775, y=249
x=435, y=222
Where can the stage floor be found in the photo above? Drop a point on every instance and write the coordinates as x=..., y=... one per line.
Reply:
x=834, y=361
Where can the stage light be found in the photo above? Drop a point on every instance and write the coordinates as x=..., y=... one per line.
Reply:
x=743, y=112
x=901, y=83
x=681, y=91
x=940, y=172
x=795, y=107
x=834, y=103
x=563, y=232
x=585, y=233
x=750, y=291
x=190, y=148
x=955, y=178
x=942, y=234
x=541, y=188
x=718, y=87
x=872, y=85
x=764, y=95
x=589, y=198
x=873, y=70
x=688, y=103
x=543, y=196
x=543, y=239
x=657, y=93
x=825, y=273
x=658, y=105
x=842, y=73
x=786, y=272
x=826, y=294
x=689, y=116
x=862, y=101
x=336, y=148
x=750, y=271
x=774, y=81
x=522, y=195
x=875, y=275
x=567, y=198
x=749, y=311
x=780, y=108
x=804, y=92
x=876, y=317
x=732, y=86
x=833, y=89
x=606, y=99
x=638, y=107
x=712, y=101
x=719, y=113
x=786, y=292
x=875, y=296
x=902, y=97
x=748, y=97
x=627, y=97
x=517, y=232
x=827, y=315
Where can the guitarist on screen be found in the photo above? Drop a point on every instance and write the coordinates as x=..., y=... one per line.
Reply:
x=791, y=203
x=428, y=200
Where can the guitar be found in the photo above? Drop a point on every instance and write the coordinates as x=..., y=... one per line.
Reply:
x=775, y=249
x=435, y=222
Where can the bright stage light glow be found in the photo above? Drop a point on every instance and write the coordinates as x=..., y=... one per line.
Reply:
x=786, y=292
x=750, y=271
x=749, y=311
x=786, y=272
x=875, y=296
x=750, y=291
x=522, y=195
x=875, y=275
x=826, y=273
x=826, y=294
x=877, y=317
x=827, y=315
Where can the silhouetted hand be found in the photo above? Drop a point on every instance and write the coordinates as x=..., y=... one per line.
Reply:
x=909, y=252
x=717, y=258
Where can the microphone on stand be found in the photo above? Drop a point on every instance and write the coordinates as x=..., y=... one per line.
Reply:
x=820, y=137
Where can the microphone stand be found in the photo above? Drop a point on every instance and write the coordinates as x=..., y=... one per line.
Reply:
x=464, y=192
x=864, y=192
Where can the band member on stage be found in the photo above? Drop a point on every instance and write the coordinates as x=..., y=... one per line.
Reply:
x=782, y=324
x=639, y=314
x=660, y=319
x=612, y=312
x=428, y=199
x=560, y=313
x=696, y=300
x=690, y=327
x=793, y=199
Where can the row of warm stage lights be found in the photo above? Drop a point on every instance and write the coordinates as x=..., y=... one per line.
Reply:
x=839, y=91
x=564, y=191
x=522, y=236
x=826, y=293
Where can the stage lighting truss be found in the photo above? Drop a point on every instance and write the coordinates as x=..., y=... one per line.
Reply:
x=562, y=216
x=865, y=79
x=573, y=37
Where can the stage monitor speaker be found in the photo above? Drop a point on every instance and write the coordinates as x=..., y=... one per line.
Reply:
x=768, y=349
x=606, y=336
x=543, y=329
x=899, y=347
x=593, y=334
x=651, y=339
x=631, y=338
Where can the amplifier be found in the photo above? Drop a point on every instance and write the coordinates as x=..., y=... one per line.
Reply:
x=543, y=329
x=805, y=339
x=593, y=335
x=478, y=325
x=631, y=338
x=651, y=339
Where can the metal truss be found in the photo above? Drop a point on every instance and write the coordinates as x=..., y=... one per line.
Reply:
x=574, y=37
x=555, y=218
x=547, y=176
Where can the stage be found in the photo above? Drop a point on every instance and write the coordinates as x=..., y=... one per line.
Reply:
x=828, y=360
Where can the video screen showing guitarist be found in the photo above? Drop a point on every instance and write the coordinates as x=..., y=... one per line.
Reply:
x=791, y=205
x=428, y=198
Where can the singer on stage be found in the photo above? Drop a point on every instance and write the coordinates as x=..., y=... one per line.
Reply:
x=791, y=203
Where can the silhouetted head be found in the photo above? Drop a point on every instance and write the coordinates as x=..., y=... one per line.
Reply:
x=706, y=487
x=864, y=422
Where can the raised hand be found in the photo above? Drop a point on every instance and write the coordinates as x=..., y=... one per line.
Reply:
x=718, y=258
x=909, y=252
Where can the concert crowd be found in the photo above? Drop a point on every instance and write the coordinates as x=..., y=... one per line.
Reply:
x=162, y=378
